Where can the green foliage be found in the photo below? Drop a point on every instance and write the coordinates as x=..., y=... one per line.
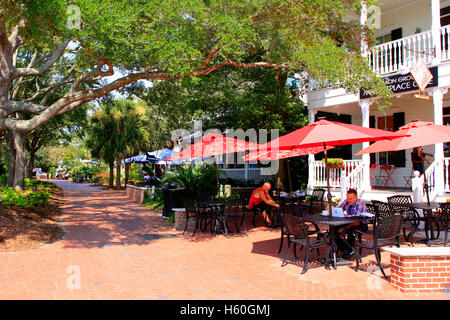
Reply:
x=36, y=196
x=157, y=202
x=197, y=180
x=135, y=172
x=33, y=183
x=228, y=98
x=3, y=180
x=171, y=218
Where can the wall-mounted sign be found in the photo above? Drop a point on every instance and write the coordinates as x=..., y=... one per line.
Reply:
x=421, y=74
x=402, y=83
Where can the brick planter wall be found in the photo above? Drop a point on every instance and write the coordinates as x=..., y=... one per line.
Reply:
x=420, y=270
x=136, y=193
x=180, y=220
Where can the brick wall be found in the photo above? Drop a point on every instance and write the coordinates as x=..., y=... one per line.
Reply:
x=180, y=221
x=422, y=274
x=135, y=193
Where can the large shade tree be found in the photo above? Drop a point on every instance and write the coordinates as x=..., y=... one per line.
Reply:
x=173, y=39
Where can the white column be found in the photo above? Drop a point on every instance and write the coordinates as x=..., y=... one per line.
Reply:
x=417, y=188
x=365, y=111
x=436, y=29
x=310, y=187
x=438, y=97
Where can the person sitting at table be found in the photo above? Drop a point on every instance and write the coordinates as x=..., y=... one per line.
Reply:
x=416, y=159
x=146, y=173
x=260, y=200
x=353, y=207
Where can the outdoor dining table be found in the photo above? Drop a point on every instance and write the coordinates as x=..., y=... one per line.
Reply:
x=333, y=223
x=427, y=218
x=214, y=204
x=389, y=171
x=289, y=198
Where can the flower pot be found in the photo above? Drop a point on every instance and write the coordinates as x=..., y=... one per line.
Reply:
x=336, y=166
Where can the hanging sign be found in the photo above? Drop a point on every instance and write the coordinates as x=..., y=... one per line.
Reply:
x=421, y=74
x=400, y=83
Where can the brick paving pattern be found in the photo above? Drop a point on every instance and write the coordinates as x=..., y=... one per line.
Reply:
x=117, y=249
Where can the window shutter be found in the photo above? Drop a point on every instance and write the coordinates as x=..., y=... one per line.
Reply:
x=373, y=158
x=398, y=157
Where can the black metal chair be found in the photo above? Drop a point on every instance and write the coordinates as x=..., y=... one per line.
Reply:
x=201, y=215
x=386, y=232
x=231, y=211
x=444, y=218
x=371, y=208
x=244, y=197
x=296, y=227
x=297, y=211
x=381, y=209
x=411, y=217
x=316, y=195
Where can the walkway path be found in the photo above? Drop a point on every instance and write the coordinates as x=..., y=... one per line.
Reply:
x=116, y=249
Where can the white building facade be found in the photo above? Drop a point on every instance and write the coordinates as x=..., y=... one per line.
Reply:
x=407, y=30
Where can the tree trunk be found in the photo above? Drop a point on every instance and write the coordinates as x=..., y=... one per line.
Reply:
x=118, y=169
x=281, y=175
x=12, y=158
x=30, y=165
x=111, y=174
x=127, y=172
x=19, y=169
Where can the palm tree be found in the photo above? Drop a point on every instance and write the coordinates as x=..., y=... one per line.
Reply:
x=115, y=129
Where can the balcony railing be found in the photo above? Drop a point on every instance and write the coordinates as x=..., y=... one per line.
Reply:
x=390, y=56
x=352, y=170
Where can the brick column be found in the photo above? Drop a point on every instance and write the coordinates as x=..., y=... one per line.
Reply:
x=420, y=270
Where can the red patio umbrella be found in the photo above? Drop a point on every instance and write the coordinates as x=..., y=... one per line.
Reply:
x=324, y=133
x=420, y=134
x=214, y=144
x=282, y=154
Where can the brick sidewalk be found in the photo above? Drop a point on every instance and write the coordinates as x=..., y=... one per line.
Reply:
x=122, y=250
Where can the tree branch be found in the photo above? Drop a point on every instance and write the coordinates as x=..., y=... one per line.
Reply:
x=14, y=38
x=97, y=73
x=59, y=51
x=19, y=106
x=74, y=99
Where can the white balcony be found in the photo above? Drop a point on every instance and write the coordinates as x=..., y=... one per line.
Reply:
x=389, y=57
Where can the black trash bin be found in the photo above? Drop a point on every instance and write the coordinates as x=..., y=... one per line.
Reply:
x=172, y=199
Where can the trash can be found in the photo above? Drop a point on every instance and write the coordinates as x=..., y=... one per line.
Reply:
x=172, y=199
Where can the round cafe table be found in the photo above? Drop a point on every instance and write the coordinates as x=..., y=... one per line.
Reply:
x=333, y=223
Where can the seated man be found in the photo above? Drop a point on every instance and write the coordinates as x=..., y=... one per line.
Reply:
x=146, y=173
x=352, y=206
x=261, y=200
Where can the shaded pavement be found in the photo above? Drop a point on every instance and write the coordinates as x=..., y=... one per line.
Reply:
x=117, y=249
